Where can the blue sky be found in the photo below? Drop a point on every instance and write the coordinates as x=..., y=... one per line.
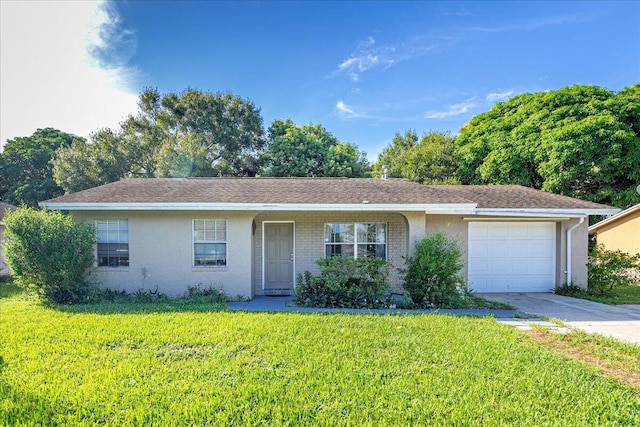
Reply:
x=364, y=70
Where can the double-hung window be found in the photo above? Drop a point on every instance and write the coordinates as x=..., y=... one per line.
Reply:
x=360, y=240
x=113, y=242
x=209, y=242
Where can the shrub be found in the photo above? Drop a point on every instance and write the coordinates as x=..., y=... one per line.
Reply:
x=432, y=274
x=208, y=295
x=195, y=295
x=49, y=254
x=570, y=290
x=344, y=283
x=607, y=269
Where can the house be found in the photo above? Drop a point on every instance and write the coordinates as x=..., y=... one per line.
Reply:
x=620, y=232
x=4, y=268
x=253, y=235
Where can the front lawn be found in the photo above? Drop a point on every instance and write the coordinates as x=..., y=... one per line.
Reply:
x=231, y=368
x=7, y=288
x=615, y=296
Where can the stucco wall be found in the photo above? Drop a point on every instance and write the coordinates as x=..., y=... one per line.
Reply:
x=161, y=253
x=623, y=234
x=161, y=247
x=579, y=252
x=455, y=227
x=309, y=238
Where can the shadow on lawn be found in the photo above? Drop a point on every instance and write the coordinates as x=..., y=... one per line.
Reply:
x=197, y=300
x=176, y=306
x=8, y=289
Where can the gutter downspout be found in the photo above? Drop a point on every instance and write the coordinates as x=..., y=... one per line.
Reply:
x=569, y=230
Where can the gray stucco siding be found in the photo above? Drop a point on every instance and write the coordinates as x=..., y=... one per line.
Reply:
x=161, y=246
x=161, y=253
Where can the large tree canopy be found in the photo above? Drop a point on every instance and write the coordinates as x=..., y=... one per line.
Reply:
x=26, y=175
x=311, y=151
x=429, y=160
x=81, y=166
x=580, y=141
x=192, y=133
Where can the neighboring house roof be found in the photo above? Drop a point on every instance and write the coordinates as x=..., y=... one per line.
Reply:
x=617, y=217
x=318, y=194
x=3, y=207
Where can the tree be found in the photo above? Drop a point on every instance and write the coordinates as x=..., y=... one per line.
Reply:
x=311, y=151
x=49, y=254
x=81, y=166
x=192, y=133
x=26, y=172
x=429, y=160
x=610, y=268
x=580, y=141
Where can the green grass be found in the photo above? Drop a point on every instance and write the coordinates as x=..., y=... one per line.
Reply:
x=618, y=295
x=479, y=302
x=618, y=359
x=8, y=289
x=175, y=368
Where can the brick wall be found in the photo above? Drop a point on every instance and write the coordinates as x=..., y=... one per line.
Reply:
x=309, y=239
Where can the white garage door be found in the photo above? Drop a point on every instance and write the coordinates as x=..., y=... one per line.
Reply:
x=512, y=256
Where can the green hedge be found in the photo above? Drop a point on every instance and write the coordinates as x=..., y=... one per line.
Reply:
x=345, y=283
x=49, y=254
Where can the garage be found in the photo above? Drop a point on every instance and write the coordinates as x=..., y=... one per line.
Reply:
x=512, y=256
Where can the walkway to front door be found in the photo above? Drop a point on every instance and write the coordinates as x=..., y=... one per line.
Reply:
x=278, y=258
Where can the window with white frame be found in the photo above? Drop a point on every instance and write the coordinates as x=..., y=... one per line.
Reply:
x=360, y=240
x=209, y=242
x=113, y=242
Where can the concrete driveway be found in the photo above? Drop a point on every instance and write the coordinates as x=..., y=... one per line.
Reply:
x=622, y=323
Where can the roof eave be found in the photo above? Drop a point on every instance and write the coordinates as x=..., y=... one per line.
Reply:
x=616, y=217
x=542, y=213
x=440, y=208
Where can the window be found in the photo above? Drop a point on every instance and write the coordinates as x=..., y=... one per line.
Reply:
x=360, y=240
x=209, y=242
x=113, y=242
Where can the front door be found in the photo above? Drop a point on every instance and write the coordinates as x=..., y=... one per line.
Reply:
x=278, y=256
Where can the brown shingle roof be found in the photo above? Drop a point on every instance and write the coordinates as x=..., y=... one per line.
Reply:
x=517, y=197
x=263, y=190
x=320, y=191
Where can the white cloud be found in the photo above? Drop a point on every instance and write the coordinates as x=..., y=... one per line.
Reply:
x=370, y=56
x=380, y=112
x=347, y=111
x=452, y=110
x=370, y=41
x=63, y=65
x=360, y=63
x=499, y=96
